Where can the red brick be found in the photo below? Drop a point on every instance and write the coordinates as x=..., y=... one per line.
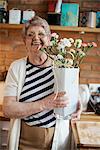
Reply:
x=14, y=55
x=71, y=1
x=98, y=38
x=93, y=74
x=2, y=61
x=85, y=66
x=98, y=44
x=93, y=80
x=88, y=37
x=34, y=1
x=15, y=35
x=7, y=67
x=16, y=5
x=63, y=34
x=83, y=80
x=13, y=1
x=92, y=59
x=37, y=8
x=98, y=53
x=91, y=5
x=2, y=68
x=96, y=67
x=89, y=80
x=93, y=52
x=7, y=64
x=2, y=54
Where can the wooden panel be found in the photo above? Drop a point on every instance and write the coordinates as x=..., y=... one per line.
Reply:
x=4, y=128
x=89, y=133
x=84, y=117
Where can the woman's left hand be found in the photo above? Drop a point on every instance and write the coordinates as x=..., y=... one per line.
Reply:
x=76, y=116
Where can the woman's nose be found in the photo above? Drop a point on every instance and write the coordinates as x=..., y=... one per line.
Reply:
x=36, y=37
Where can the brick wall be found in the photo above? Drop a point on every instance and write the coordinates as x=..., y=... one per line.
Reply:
x=41, y=6
x=90, y=67
x=12, y=46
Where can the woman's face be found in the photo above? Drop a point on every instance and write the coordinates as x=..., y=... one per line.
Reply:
x=35, y=39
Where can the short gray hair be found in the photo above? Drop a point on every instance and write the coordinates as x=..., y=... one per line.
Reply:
x=36, y=21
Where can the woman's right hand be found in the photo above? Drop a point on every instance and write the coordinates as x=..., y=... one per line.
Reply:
x=55, y=101
x=14, y=109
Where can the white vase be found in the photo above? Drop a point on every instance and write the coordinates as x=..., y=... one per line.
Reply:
x=58, y=6
x=67, y=79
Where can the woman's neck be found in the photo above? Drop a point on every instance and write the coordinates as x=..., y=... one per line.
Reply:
x=38, y=59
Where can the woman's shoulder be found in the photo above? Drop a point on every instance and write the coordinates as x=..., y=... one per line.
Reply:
x=17, y=64
x=19, y=61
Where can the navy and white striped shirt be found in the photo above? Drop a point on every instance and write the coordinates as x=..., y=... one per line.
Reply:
x=39, y=83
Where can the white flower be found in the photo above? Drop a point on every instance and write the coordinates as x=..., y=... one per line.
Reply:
x=51, y=43
x=81, y=54
x=66, y=42
x=55, y=35
x=61, y=47
x=67, y=52
x=59, y=56
x=71, y=40
x=78, y=43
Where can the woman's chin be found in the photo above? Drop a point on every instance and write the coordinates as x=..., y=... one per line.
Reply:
x=36, y=47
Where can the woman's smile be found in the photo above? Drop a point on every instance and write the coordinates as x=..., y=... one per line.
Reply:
x=34, y=43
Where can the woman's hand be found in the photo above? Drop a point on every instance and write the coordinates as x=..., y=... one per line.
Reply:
x=76, y=116
x=55, y=101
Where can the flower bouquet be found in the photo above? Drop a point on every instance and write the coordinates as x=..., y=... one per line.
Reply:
x=67, y=55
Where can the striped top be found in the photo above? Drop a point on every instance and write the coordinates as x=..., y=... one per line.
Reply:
x=39, y=83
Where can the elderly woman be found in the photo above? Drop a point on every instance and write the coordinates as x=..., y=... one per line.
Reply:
x=29, y=93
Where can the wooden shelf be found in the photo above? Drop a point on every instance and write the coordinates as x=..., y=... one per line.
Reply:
x=53, y=27
x=11, y=26
x=75, y=29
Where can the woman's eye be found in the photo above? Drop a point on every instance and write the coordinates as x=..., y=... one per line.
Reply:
x=41, y=34
x=30, y=35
